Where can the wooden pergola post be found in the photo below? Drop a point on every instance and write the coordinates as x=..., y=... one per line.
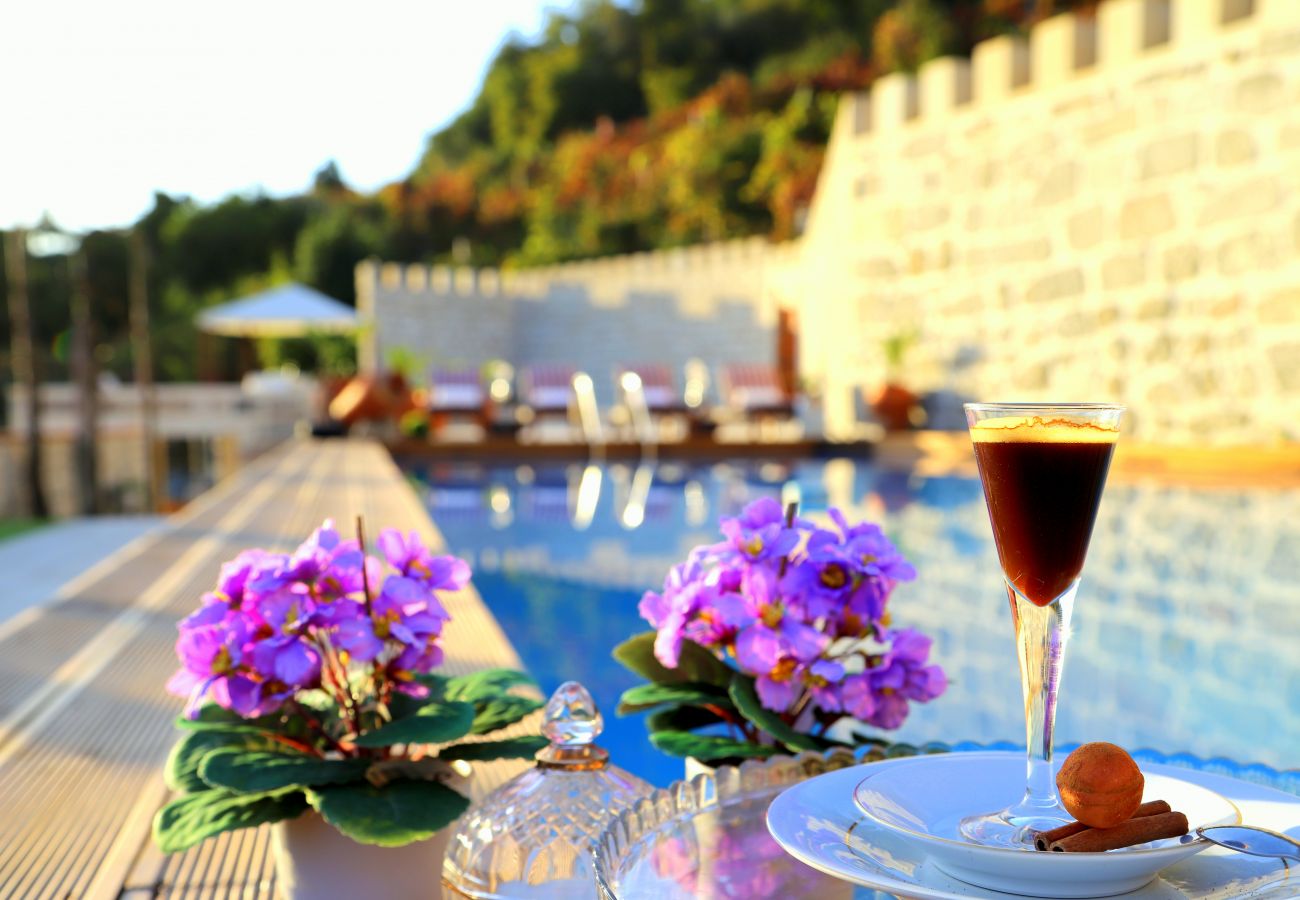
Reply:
x=23, y=355
x=85, y=377
x=142, y=360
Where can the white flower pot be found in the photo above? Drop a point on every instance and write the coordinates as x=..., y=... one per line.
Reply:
x=314, y=862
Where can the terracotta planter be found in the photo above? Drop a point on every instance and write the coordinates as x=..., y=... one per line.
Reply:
x=315, y=862
x=893, y=405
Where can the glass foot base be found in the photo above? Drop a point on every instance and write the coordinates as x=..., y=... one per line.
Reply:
x=1014, y=827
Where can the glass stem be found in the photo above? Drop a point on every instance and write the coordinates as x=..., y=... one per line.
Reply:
x=1041, y=635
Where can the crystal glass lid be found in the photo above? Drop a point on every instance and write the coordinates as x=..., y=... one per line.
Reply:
x=532, y=836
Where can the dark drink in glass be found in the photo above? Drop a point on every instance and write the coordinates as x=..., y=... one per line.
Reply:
x=1043, y=483
x=1043, y=468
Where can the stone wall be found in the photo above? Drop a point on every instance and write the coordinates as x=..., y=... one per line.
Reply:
x=713, y=302
x=1107, y=211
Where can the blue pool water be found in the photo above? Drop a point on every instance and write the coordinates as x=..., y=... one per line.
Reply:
x=1185, y=629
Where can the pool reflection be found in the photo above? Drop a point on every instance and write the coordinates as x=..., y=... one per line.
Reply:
x=1184, y=632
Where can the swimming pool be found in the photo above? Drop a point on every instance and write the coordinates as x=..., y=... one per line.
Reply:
x=1184, y=637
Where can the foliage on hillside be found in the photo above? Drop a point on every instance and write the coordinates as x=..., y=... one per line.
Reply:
x=622, y=127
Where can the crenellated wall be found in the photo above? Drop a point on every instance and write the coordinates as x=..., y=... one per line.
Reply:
x=1108, y=210
x=716, y=302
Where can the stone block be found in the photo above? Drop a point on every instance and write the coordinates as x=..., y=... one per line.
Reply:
x=999, y=66
x=923, y=218
x=1110, y=124
x=1285, y=359
x=1155, y=308
x=1123, y=271
x=1127, y=28
x=1225, y=307
x=417, y=278
x=1255, y=197
x=925, y=145
x=1058, y=184
x=893, y=101
x=1058, y=285
x=1260, y=93
x=1182, y=262
x=390, y=276
x=1086, y=229
x=1169, y=155
x=1281, y=308
x=1160, y=350
x=1146, y=217
x=1234, y=147
x=1060, y=46
x=1011, y=253
x=877, y=267
x=1247, y=253
x=945, y=84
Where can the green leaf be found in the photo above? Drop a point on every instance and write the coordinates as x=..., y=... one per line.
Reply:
x=706, y=747
x=400, y=706
x=694, y=665
x=259, y=771
x=188, y=820
x=498, y=712
x=437, y=684
x=393, y=815
x=509, y=748
x=746, y=700
x=212, y=716
x=485, y=684
x=434, y=723
x=648, y=696
x=681, y=718
x=182, y=770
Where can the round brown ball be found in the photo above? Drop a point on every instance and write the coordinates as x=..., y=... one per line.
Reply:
x=1100, y=785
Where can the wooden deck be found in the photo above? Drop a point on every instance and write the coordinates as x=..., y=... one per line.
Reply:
x=85, y=724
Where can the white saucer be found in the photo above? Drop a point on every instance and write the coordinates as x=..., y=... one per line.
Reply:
x=818, y=823
x=924, y=799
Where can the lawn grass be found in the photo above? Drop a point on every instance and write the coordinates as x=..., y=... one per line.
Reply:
x=13, y=527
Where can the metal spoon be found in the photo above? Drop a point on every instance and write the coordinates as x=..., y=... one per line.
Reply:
x=1252, y=840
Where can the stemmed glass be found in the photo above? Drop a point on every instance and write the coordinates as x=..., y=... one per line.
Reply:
x=1043, y=467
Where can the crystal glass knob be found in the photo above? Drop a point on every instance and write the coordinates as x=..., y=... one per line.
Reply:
x=532, y=836
x=571, y=717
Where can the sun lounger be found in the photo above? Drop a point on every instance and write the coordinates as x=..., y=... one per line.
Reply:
x=457, y=392
x=547, y=389
x=658, y=386
x=755, y=391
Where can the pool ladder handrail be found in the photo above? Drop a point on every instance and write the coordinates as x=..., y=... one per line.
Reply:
x=643, y=424
x=593, y=431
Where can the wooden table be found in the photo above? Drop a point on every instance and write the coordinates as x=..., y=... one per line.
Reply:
x=85, y=724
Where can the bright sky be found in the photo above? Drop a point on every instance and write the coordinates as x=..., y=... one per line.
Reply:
x=102, y=103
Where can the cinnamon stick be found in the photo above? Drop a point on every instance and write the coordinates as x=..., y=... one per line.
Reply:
x=1045, y=839
x=1126, y=834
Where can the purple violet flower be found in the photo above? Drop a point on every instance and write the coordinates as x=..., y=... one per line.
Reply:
x=808, y=623
x=759, y=533
x=408, y=555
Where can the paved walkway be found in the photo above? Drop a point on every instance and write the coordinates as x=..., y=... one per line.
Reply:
x=37, y=564
x=85, y=724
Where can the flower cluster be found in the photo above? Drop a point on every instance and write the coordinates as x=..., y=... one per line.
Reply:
x=802, y=609
x=277, y=623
